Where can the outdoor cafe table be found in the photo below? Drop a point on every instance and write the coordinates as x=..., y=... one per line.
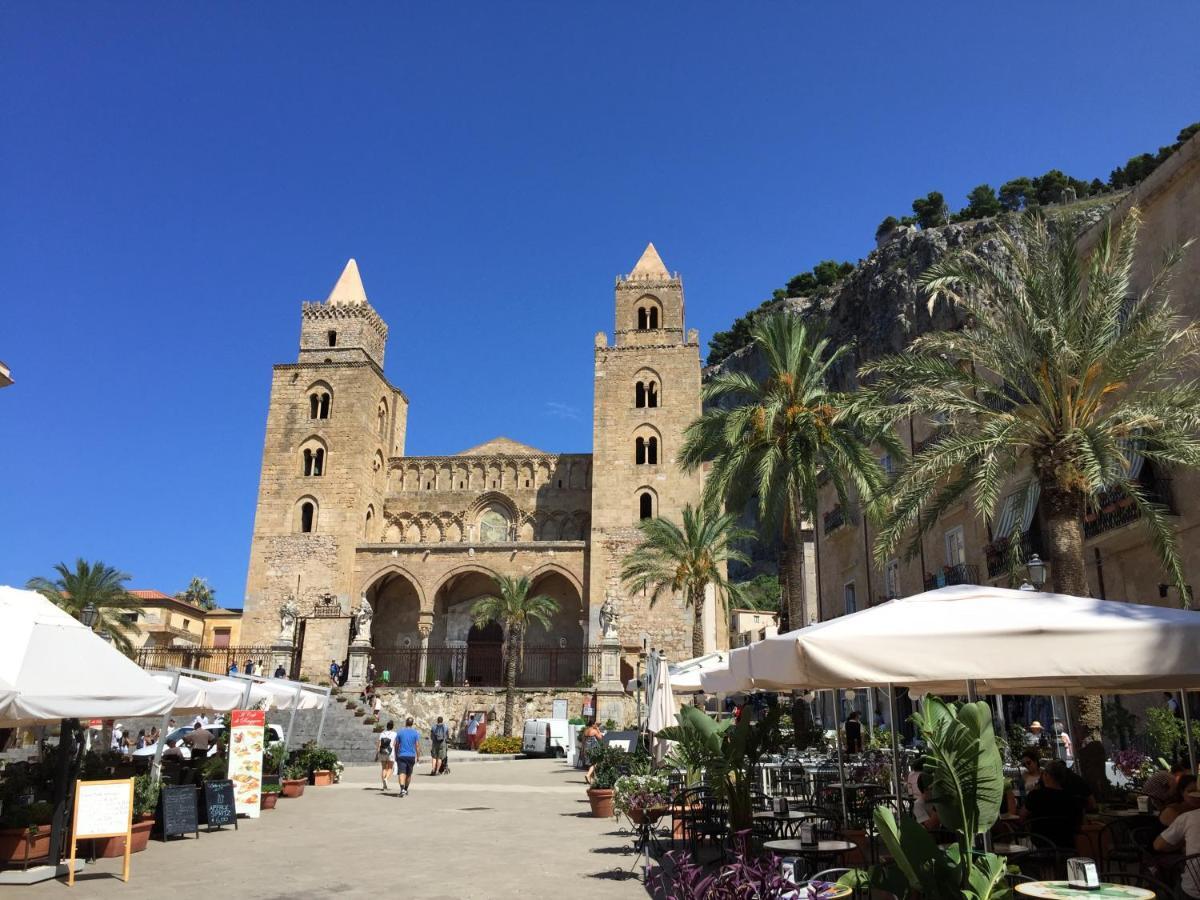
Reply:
x=790, y=815
x=821, y=848
x=1061, y=890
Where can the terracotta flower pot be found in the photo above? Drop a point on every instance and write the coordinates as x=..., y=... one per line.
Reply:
x=642, y=815
x=601, y=800
x=19, y=844
x=292, y=787
x=322, y=777
x=268, y=801
x=106, y=848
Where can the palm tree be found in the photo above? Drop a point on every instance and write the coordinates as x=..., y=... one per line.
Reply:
x=771, y=439
x=199, y=593
x=513, y=609
x=92, y=586
x=687, y=560
x=1062, y=370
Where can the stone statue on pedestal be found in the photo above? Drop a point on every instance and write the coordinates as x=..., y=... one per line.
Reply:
x=608, y=618
x=287, y=620
x=362, y=621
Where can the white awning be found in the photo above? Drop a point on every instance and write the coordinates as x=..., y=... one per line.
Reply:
x=53, y=667
x=1018, y=510
x=685, y=676
x=218, y=695
x=1006, y=641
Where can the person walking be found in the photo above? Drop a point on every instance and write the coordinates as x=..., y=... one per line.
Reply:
x=333, y=672
x=472, y=733
x=408, y=754
x=437, y=747
x=385, y=752
x=233, y=670
x=376, y=706
x=280, y=672
x=249, y=667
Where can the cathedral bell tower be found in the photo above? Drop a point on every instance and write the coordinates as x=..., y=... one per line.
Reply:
x=332, y=424
x=647, y=391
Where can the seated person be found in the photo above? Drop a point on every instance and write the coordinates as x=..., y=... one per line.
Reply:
x=1160, y=787
x=1074, y=784
x=924, y=810
x=1053, y=811
x=1031, y=762
x=1183, y=833
x=1184, y=799
x=172, y=751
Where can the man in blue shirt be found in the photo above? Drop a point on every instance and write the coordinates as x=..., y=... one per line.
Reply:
x=408, y=754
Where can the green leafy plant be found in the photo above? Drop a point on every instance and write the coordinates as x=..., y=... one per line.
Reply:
x=698, y=738
x=270, y=789
x=311, y=758
x=1017, y=741
x=274, y=757
x=145, y=794
x=586, y=680
x=30, y=816
x=294, y=772
x=641, y=791
x=608, y=764
x=500, y=744
x=610, y=725
x=967, y=786
x=743, y=745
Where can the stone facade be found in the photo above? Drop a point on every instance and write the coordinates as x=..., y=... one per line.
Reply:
x=347, y=523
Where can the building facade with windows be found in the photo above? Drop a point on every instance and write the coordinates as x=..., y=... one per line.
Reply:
x=161, y=621
x=347, y=521
x=965, y=547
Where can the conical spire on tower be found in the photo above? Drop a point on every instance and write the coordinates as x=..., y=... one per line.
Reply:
x=349, y=289
x=650, y=265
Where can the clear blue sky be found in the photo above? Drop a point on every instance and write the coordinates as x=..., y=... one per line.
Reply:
x=175, y=178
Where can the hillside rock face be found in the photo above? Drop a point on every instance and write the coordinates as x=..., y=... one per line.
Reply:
x=880, y=307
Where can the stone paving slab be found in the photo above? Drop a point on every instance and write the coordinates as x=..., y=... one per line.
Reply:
x=518, y=828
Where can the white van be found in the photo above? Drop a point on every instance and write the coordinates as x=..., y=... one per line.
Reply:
x=548, y=737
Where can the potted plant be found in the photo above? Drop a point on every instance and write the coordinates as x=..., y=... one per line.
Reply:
x=605, y=762
x=295, y=777
x=642, y=798
x=25, y=832
x=269, y=795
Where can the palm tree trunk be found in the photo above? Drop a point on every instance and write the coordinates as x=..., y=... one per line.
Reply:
x=792, y=558
x=1068, y=574
x=697, y=621
x=510, y=680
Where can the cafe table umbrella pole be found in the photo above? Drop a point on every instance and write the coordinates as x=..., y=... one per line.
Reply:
x=156, y=766
x=1187, y=730
x=837, y=742
x=892, y=716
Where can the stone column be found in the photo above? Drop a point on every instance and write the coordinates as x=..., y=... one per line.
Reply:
x=360, y=657
x=283, y=652
x=425, y=629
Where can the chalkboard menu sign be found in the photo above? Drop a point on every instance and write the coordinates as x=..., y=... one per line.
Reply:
x=178, y=803
x=218, y=802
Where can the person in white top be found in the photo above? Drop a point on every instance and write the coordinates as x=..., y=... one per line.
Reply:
x=386, y=752
x=376, y=706
x=1183, y=832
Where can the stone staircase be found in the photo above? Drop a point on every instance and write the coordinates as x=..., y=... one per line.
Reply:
x=344, y=733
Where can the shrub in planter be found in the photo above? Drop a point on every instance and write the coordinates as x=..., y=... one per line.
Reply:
x=359, y=713
x=25, y=832
x=378, y=727
x=294, y=779
x=370, y=720
x=641, y=797
x=497, y=744
x=269, y=795
x=318, y=763
x=606, y=761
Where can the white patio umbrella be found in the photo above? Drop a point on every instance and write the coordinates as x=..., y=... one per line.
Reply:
x=219, y=694
x=685, y=676
x=1004, y=641
x=292, y=694
x=662, y=704
x=54, y=667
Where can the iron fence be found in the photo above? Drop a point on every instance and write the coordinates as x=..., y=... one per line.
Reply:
x=216, y=660
x=1115, y=508
x=963, y=573
x=482, y=665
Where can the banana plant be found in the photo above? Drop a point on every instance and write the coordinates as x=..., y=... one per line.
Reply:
x=967, y=773
x=698, y=739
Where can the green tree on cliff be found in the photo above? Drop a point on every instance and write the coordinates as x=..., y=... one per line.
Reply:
x=1061, y=370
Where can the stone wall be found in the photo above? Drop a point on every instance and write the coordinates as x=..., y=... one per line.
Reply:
x=454, y=706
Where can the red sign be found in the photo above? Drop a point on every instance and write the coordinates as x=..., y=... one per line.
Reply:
x=247, y=717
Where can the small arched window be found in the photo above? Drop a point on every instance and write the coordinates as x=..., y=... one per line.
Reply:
x=308, y=517
x=493, y=527
x=646, y=505
x=368, y=522
x=314, y=405
x=318, y=405
x=652, y=451
x=639, y=395
x=314, y=462
x=643, y=320
x=381, y=416
x=653, y=316
x=652, y=395
x=332, y=338
x=639, y=452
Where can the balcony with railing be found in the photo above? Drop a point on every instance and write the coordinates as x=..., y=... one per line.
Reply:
x=838, y=517
x=999, y=553
x=962, y=573
x=1116, y=509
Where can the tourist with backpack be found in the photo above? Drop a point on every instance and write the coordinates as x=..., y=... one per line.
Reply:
x=438, y=736
x=385, y=752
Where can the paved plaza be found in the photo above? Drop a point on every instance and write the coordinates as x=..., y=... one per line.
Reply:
x=490, y=829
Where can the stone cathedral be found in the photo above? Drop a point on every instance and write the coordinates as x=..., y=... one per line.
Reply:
x=350, y=531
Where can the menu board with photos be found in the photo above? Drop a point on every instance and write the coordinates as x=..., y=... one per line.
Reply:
x=247, y=738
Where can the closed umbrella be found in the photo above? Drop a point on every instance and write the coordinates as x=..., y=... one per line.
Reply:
x=662, y=704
